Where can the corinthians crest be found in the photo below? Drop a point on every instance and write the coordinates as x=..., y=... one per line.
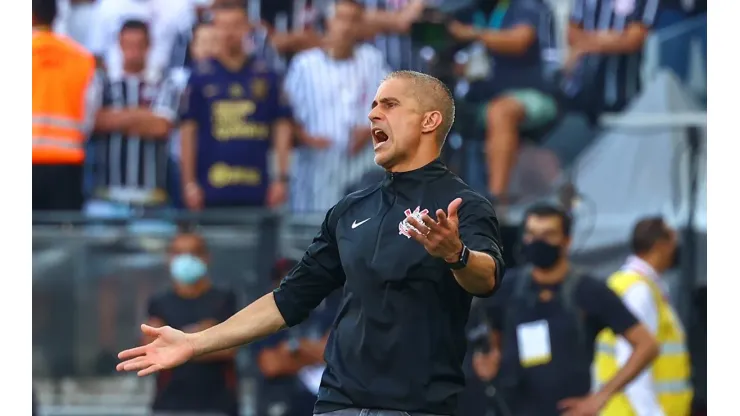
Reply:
x=404, y=226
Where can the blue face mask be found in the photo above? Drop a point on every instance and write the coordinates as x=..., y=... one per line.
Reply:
x=187, y=269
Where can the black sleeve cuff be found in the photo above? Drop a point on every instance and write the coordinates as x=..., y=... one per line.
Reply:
x=497, y=278
x=291, y=315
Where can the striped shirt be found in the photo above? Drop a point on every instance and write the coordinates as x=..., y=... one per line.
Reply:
x=133, y=169
x=615, y=79
x=398, y=49
x=330, y=98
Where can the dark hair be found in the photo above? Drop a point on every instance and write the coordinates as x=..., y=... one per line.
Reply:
x=352, y=2
x=134, y=24
x=550, y=210
x=44, y=11
x=646, y=233
x=230, y=5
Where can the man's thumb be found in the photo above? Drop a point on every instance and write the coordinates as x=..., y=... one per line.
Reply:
x=149, y=330
x=453, y=207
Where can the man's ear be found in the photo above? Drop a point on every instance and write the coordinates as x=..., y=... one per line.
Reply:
x=432, y=121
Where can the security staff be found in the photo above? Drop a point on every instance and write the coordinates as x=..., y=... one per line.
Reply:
x=398, y=342
x=64, y=101
x=664, y=388
x=545, y=321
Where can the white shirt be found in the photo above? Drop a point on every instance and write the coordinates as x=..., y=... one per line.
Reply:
x=166, y=19
x=640, y=301
x=330, y=98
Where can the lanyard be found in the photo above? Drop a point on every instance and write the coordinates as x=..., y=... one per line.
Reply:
x=495, y=20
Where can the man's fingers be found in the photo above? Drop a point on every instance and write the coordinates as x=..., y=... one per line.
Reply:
x=136, y=364
x=132, y=353
x=421, y=239
x=150, y=330
x=431, y=224
x=442, y=218
x=149, y=370
x=423, y=229
x=453, y=207
x=566, y=404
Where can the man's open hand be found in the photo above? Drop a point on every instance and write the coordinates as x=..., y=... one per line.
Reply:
x=169, y=349
x=440, y=238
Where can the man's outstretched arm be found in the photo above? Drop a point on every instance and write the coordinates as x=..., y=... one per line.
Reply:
x=317, y=275
x=258, y=320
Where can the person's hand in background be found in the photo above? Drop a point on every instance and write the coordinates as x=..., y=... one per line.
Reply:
x=360, y=138
x=277, y=194
x=486, y=364
x=575, y=54
x=461, y=32
x=193, y=197
x=315, y=142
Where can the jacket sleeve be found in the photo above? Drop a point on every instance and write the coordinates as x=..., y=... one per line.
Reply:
x=479, y=232
x=316, y=276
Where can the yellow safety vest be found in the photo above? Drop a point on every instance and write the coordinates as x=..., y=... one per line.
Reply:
x=671, y=370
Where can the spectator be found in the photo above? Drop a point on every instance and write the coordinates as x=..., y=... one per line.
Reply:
x=66, y=96
x=291, y=362
x=208, y=384
x=330, y=89
x=387, y=24
x=606, y=39
x=544, y=322
x=167, y=20
x=515, y=96
x=129, y=150
x=291, y=31
x=203, y=46
x=675, y=52
x=665, y=387
x=233, y=105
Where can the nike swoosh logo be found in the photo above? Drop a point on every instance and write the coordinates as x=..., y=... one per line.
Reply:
x=356, y=224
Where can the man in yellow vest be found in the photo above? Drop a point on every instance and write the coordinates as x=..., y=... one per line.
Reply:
x=65, y=99
x=664, y=388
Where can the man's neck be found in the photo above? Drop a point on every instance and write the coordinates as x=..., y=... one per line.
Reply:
x=338, y=51
x=132, y=70
x=193, y=291
x=551, y=276
x=422, y=158
x=652, y=261
x=232, y=61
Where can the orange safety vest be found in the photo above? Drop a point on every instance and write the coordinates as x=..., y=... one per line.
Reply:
x=62, y=74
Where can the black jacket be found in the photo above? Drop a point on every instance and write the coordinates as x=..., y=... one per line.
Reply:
x=398, y=341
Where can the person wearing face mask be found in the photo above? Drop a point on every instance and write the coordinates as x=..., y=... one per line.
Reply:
x=664, y=388
x=207, y=385
x=544, y=323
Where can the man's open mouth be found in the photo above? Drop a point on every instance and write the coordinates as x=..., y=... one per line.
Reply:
x=379, y=137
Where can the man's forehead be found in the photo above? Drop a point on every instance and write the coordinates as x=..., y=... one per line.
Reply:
x=548, y=222
x=395, y=88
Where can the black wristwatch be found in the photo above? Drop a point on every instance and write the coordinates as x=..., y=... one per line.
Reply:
x=462, y=261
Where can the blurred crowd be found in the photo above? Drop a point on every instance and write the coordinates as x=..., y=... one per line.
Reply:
x=224, y=103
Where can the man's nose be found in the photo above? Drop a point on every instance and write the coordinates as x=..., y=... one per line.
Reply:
x=374, y=114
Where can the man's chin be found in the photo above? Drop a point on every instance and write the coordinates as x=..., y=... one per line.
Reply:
x=383, y=159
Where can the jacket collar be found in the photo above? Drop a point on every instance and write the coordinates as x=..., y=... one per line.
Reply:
x=425, y=173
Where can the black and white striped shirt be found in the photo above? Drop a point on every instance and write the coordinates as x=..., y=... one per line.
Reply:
x=330, y=98
x=614, y=78
x=133, y=169
x=398, y=49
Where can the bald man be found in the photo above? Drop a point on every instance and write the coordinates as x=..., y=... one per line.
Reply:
x=409, y=252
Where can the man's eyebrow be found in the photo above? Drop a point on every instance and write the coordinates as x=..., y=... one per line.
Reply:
x=385, y=100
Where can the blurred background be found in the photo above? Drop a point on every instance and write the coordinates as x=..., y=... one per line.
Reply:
x=614, y=138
